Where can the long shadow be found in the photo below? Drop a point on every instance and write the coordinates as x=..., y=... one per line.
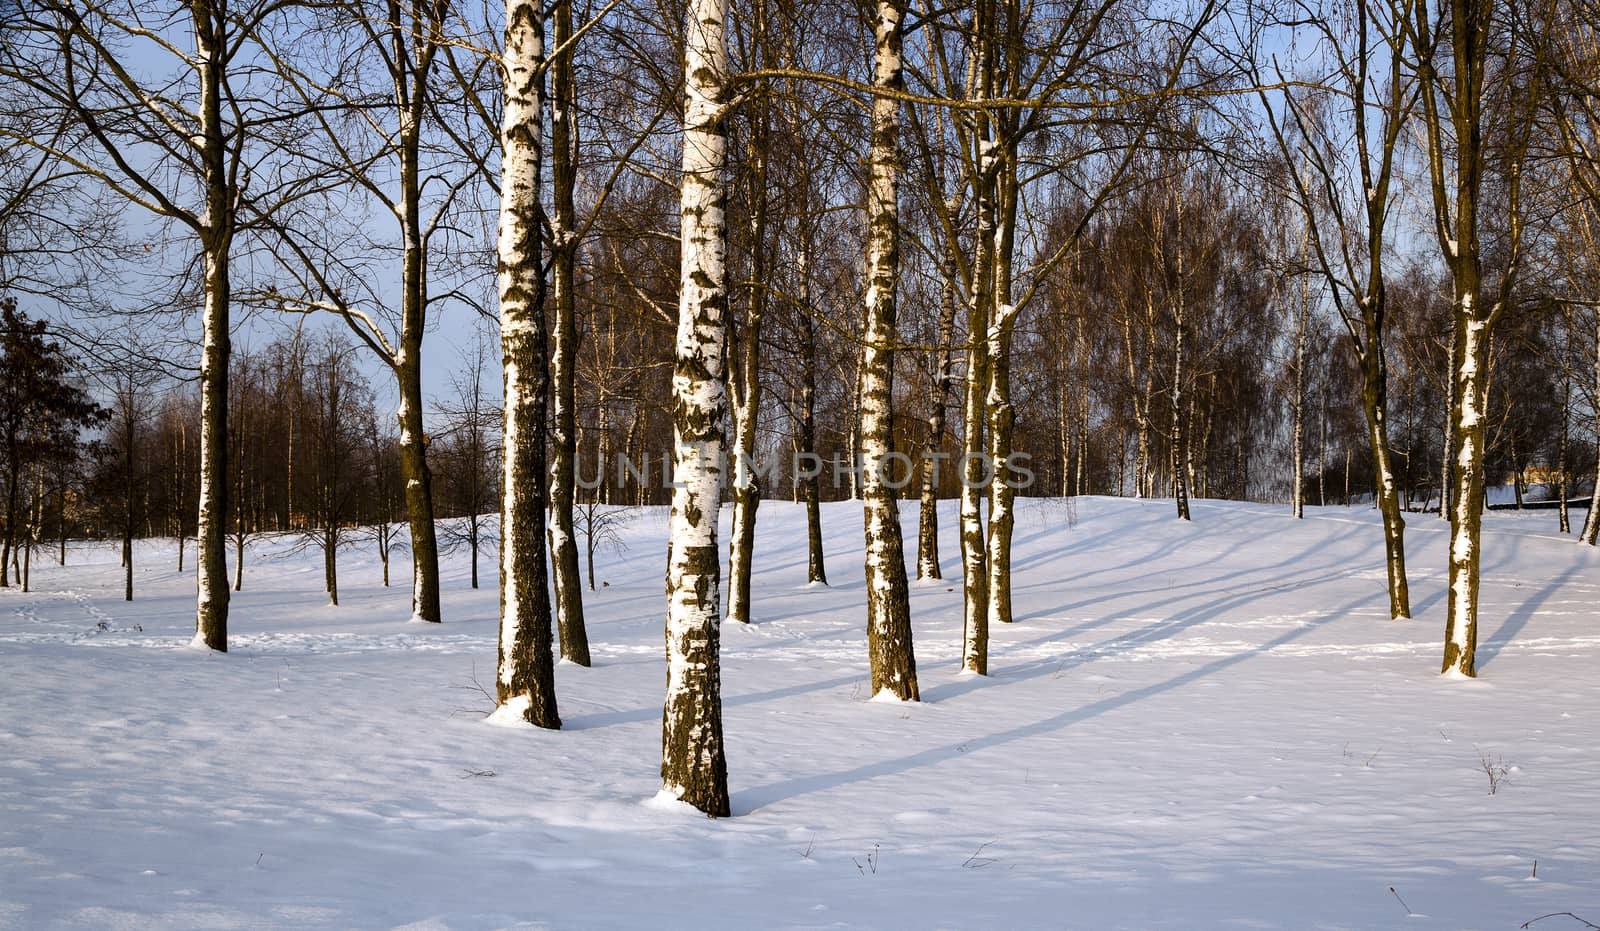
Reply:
x=809, y=612
x=1489, y=650
x=1111, y=533
x=584, y=722
x=1123, y=643
x=1157, y=550
x=1182, y=591
x=755, y=798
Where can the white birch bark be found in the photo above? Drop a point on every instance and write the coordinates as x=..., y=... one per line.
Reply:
x=211, y=564
x=525, y=677
x=564, y=237
x=894, y=667
x=1591, y=523
x=693, y=766
x=1302, y=313
x=974, y=477
x=1466, y=510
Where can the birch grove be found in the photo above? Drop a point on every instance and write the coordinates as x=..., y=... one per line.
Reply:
x=786, y=253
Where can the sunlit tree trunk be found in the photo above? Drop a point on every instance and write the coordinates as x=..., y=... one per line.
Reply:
x=1446, y=434
x=1563, y=518
x=894, y=666
x=974, y=476
x=1591, y=523
x=745, y=372
x=1453, y=101
x=1002, y=416
x=976, y=471
x=1374, y=398
x=525, y=676
x=1466, y=510
x=411, y=92
x=694, y=766
x=211, y=558
x=570, y=625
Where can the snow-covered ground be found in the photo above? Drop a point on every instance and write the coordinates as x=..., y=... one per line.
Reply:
x=1189, y=726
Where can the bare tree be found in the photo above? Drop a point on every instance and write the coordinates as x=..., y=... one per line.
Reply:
x=178, y=144
x=1472, y=62
x=466, y=447
x=1343, y=142
x=566, y=237
x=526, y=676
x=386, y=478
x=889, y=647
x=601, y=526
x=694, y=767
x=365, y=148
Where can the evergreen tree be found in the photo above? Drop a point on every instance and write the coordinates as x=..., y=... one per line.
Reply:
x=41, y=411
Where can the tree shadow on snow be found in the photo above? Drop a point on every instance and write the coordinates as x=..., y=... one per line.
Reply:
x=753, y=799
x=1489, y=649
x=1123, y=643
x=584, y=722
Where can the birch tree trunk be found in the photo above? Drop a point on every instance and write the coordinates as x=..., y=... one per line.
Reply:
x=418, y=477
x=330, y=563
x=939, y=400
x=128, y=492
x=1299, y=400
x=216, y=237
x=1563, y=519
x=525, y=677
x=1466, y=510
x=1453, y=103
x=694, y=768
x=1447, y=436
x=811, y=486
x=1002, y=416
x=411, y=100
x=894, y=666
x=1591, y=523
x=570, y=625
x=974, y=483
x=1179, y=446
x=746, y=372
x=31, y=533
x=1374, y=398
x=1081, y=482
x=1178, y=439
x=976, y=471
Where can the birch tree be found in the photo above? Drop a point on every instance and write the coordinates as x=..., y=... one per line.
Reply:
x=694, y=768
x=1468, y=61
x=380, y=159
x=744, y=374
x=565, y=238
x=174, y=144
x=525, y=677
x=1344, y=189
x=1575, y=110
x=893, y=660
x=1022, y=75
